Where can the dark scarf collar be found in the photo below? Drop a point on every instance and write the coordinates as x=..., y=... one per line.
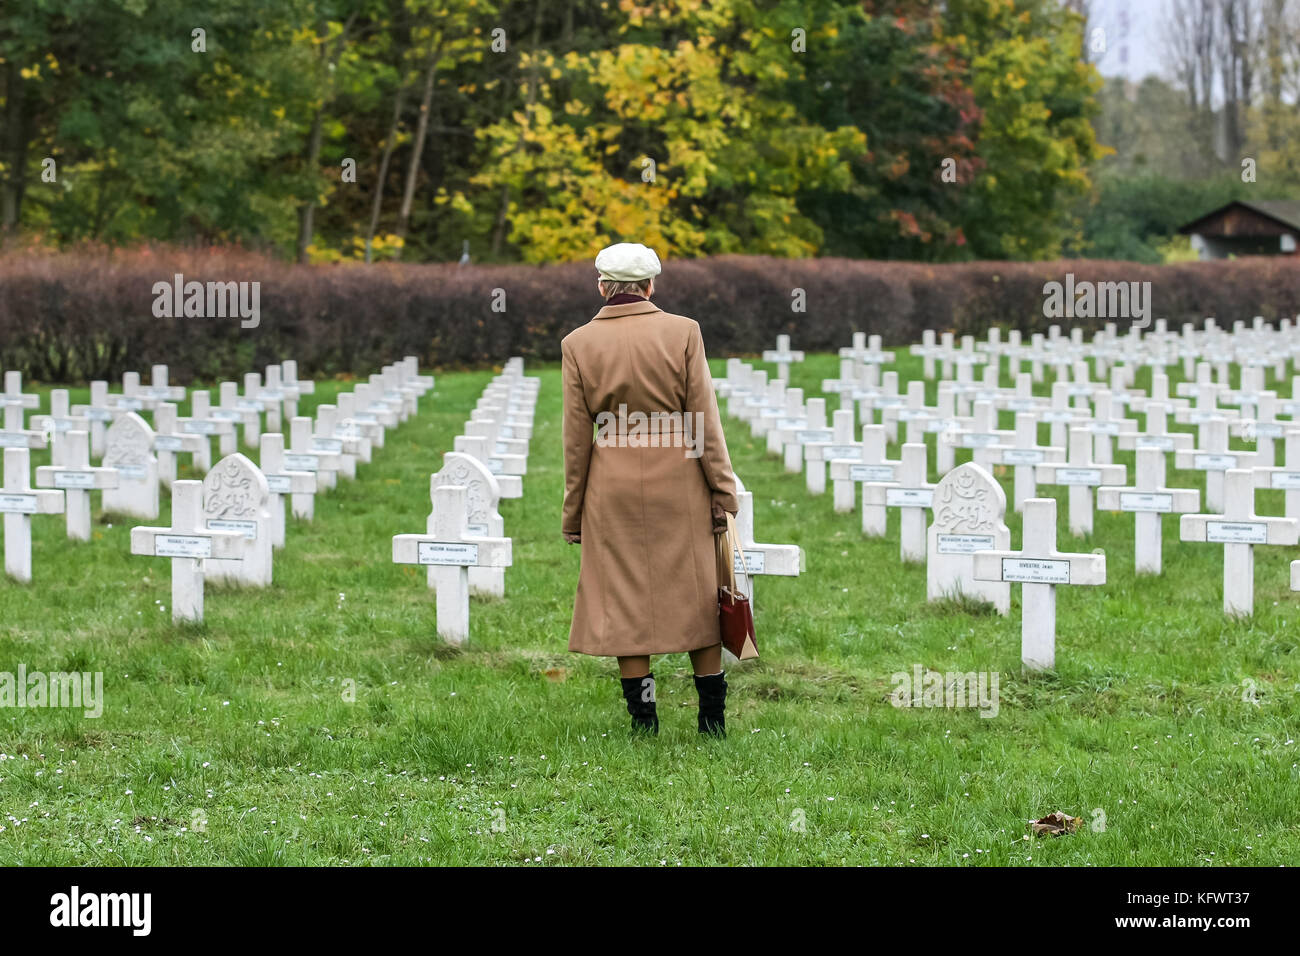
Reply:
x=625, y=298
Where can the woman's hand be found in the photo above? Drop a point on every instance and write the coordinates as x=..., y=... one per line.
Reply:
x=572, y=538
x=719, y=519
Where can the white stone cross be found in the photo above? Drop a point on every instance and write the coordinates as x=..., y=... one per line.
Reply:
x=1039, y=569
x=1287, y=477
x=511, y=486
x=236, y=498
x=1239, y=529
x=402, y=403
x=1214, y=458
x=273, y=397
x=398, y=390
x=75, y=476
x=870, y=466
x=294, y=387
x=449, y=551
x=58, y=422
x=945, y=421
x=840, y=445
x=982, y=436
x=810, y=428
x=783, y=560
x=1061, y=414
x=915, y=413
x=1147, y=500
x=170, y=439
x=188, y=543
x=929, y=351
x=499, y=465
x=912, y=494
x=424, y=383
x=18, y=502
x=15, y=433
x=782, y=357
x=1080, y=473
x=201, y=424
x=301, y=457
x=329, y=440
x=1156, y=434
x=363, y=427
x=281, y=481
x=249, y=402
x=1107, y=424
x=129, y=449
x=99, y=412
x=498, y=444
x=969, y=508
x=482, y=496
x=236, y=411
x=1262, y=429
x=132, y=398
x=1023, y=453
x=367, y=411
x=159, y=390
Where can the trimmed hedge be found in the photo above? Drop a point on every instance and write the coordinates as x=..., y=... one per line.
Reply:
x=89, y=314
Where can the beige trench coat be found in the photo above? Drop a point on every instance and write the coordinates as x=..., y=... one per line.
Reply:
x=649, y=578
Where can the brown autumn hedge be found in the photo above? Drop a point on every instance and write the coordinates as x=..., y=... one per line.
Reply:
x=89, y=314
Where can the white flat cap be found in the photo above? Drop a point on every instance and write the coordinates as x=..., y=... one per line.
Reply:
x=627, y=262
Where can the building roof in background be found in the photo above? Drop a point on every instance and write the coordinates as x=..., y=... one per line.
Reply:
x=1284, y=212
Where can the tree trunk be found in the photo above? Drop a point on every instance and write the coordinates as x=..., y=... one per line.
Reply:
x=417, y=147
x=377, y=202
x=307, y=211
x=503, y=208
x=15, y=152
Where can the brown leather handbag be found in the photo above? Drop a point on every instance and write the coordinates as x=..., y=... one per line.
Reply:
x=735, y=619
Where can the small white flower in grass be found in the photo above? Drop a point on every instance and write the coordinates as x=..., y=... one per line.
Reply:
x=207, y=763
x=225, y=703
x=128, y=793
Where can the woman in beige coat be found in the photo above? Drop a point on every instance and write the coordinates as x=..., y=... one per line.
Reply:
x=648, y=483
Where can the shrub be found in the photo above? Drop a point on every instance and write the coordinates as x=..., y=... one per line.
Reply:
x=88, y=314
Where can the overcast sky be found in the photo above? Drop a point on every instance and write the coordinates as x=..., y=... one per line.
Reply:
x=1133, y=41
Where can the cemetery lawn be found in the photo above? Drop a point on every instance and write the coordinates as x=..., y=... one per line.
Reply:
x=1167, y=728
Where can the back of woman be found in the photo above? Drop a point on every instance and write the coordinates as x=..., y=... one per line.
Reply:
x=647, y=481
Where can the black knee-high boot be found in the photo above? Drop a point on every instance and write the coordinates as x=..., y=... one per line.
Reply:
x=639, y=692
x=713, y=702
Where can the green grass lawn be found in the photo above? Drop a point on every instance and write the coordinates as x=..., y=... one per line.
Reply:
x=238, y=741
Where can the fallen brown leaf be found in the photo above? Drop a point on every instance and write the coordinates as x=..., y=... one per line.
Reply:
x=1055, y=824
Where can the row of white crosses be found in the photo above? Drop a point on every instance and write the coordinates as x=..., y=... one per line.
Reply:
x=236, y=497
x=227, y=527
x=464, y=548
x=1088, y=431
